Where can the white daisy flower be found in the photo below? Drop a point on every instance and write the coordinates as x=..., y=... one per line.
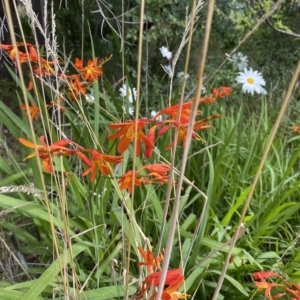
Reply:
x=89, y=98
x=252, y=82
x=154, y=113
x=165, y=52
x=181, y=74
x=126, y=91
x=130, y=110
x=168, y=69
x=240, y=60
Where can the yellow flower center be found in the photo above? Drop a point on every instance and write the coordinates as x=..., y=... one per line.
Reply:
x=130, y=133
x=250, y=80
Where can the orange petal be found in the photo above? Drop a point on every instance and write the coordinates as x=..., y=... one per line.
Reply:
x=124, y=143
x=29, y=144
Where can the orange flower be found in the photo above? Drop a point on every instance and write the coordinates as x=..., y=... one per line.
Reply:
x=30, y=86
x=23, y=57
x=171, y=293
x=93, y=69
x=78, y=63
x=222, y=92
x=33, y=111
x=46, y=151
x=99, y=161
x=183, y=128
x=126, y=134
x=126, y=181
x=181, y=134
x=209, y=100
x=57, y=148
x=12, y=53
x=294, y=293
x=286, y=289
x=172, y=111
x=161, y=169
x=268, y=286
x=91, y=72
x=154, y=279
x=158, y=173
x=76, y=87
x=296, y=128
x=148, y=258
x=149, y=261
x=151, y=137
x=45, y=68
x=264, y=275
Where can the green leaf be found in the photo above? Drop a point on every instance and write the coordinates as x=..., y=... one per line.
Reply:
x=104, y=293
x=6, y=294
x=13, y=122
x=49, y=276
x=234, y=208
x=235, y=283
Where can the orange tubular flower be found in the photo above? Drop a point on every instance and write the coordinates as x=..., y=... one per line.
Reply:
x=45, y=68
x=126, y=134
x=182, y=132
x=161, y=169
x=158, y=173
x=126, y=181
x=148, y=258
x=209, y=100
x=151, y=137
x=171, y=293
x=99, y=161
x=287, y=289
x=296, y=128
x=173, y=112
x=153, y=279
x=268, y=286
x=294, y=293
x=149, y=261
x=264, y=275
x=23, y=57
x=222, y=92
x=46, y=151
x=76, y=87
x=33, y=111
x=91, y=72
x=183, y=128
x=11, y=50
x=78, y=63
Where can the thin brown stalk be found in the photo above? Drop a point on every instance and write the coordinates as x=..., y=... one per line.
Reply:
x=189, y=29
x=174, y=216
x=138, y=90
